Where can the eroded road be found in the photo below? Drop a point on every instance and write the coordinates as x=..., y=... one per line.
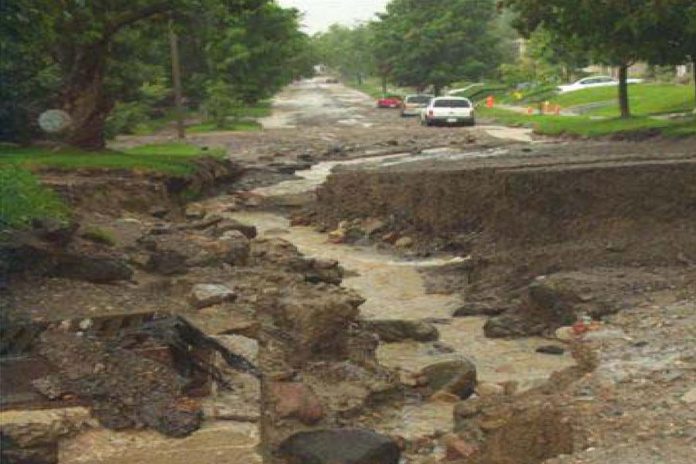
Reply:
x=323, y=369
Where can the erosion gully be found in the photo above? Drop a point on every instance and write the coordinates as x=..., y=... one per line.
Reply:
x=394, y=289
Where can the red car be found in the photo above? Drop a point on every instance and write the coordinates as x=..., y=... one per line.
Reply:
x=391, y=101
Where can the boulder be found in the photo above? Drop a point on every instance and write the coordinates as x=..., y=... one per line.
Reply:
x=479, y=309
x=396, y=330
x=99, y=270
x=320, y=325
x=231, y=248
x=204, y=295
x=296, y=400
x=340, y=446
x=512, y=324
x=226, y=225
x=457, y=376
x=551, y=349
x=323, y=270
x=166, y=262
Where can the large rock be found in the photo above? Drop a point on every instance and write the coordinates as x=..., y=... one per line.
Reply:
x=296, y=400
x=512, y=324
x=166, y=262
x=479, y=309
x=457, y=376
x=231, y=248
x=98, y=270
x=397, y=330
x=320, y=325
x=231, y=224
x=340, y=446
x=204, y=295
x=548, y=305
x=323, y=270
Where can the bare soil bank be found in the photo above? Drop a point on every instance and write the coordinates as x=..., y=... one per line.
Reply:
x=622, y=206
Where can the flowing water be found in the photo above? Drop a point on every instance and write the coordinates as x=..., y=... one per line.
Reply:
x=394, y=289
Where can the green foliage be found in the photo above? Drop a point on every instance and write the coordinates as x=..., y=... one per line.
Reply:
x=89, y=57
x=220, y=104
x=23, y=199
x=435, y=43
x=99, y=235
x=126, y=118
x=348, y=51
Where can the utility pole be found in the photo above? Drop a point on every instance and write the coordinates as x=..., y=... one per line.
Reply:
x=176, y=80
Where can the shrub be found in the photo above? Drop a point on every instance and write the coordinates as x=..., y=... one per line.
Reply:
x=220, y=104
x=23, y=199
x=125, y=118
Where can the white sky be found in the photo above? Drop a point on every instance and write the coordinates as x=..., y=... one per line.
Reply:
x=320, y=14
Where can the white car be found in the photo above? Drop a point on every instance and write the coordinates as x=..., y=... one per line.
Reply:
x=448, y=110
x=594, y=81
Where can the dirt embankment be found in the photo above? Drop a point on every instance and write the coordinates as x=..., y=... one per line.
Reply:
x=568, y=213
x=112, y=191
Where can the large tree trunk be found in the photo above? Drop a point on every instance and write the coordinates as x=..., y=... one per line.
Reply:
x=84, y=98
x=623, y=92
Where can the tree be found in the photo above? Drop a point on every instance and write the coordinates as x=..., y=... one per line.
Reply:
x=614, y=32
x=678, y=44
x=347, y=50
x=74, y=48
x=436, y=42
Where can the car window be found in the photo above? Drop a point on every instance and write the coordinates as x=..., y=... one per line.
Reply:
x=423, y=99
x=451, y=104
x=589, y=81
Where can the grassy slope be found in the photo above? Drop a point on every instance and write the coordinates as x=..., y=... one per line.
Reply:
x=22, y=199
x=173, y=158
x=588, y=127
x=645, y=99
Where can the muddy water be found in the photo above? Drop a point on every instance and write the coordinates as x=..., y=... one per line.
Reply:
x=394, y=289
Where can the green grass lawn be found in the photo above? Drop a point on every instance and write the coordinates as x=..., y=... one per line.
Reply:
x=645, y=99
x=589, y=127
x=170, y=158
x=240, y=126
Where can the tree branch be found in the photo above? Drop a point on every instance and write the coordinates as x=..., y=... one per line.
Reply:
x=130, y=17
